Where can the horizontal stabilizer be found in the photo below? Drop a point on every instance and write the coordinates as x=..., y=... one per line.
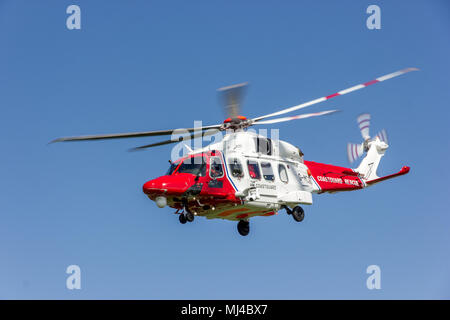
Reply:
x=404, y=170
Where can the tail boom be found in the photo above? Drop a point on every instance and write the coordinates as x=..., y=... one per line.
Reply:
x=331, y=178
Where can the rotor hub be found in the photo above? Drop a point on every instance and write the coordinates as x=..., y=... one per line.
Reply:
x=235, y=122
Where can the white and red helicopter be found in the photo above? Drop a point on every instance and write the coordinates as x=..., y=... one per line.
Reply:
x=247, y=175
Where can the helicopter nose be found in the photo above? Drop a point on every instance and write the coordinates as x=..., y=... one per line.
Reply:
x=167, y=185
x=152, y=187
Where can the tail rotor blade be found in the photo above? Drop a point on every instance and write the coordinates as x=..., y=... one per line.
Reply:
x=364, y=125
x=354, y=151
x=382, y=135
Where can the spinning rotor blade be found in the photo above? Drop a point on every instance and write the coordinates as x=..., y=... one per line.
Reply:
x=340, y=93
x=300, y=116
x=354, y=151
x=180, y=139
x=382, y=135
x=131, y=135
x=364, y=125
x=232, y=97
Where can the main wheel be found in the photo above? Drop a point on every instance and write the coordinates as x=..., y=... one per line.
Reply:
x=243, y=227
x=298, y=213
x=182, y=218
x=189, y=216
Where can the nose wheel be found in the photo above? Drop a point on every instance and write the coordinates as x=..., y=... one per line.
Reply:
x=189, y=216
x=186, y=216
x=243, y=227
x=182, y=218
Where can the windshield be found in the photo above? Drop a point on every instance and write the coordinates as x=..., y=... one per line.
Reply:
x=196, y=166
x=172, y=168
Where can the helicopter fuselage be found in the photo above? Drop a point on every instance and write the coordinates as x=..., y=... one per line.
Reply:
x=246, y=175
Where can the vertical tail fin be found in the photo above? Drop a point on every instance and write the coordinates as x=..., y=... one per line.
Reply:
x=369, y=165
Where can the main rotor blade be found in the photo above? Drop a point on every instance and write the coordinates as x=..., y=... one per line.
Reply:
x=180, y=139
x=339, y=93
x=300, y=116
x=132, y=134
x=232, y=98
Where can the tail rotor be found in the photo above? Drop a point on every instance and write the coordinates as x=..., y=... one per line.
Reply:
x=355, y=151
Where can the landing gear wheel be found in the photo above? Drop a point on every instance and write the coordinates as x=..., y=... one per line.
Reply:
x=189, y=216
x=298, y=213
x=243, y=227
x=182, y=218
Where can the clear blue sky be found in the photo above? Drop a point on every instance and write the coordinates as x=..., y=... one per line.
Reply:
x=147, y=65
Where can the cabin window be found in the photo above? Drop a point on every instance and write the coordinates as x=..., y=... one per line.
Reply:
x=193, y=165
x=283, y=173
x=253, y=169
x=264, y=145
x=215, y=167
x=235, y=168
x=267, y=171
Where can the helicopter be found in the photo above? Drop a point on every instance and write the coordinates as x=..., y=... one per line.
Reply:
x=247, y=174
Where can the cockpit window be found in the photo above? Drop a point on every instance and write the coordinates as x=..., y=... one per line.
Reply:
x=194, y=165
x=236, y=168
x=215, y=167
